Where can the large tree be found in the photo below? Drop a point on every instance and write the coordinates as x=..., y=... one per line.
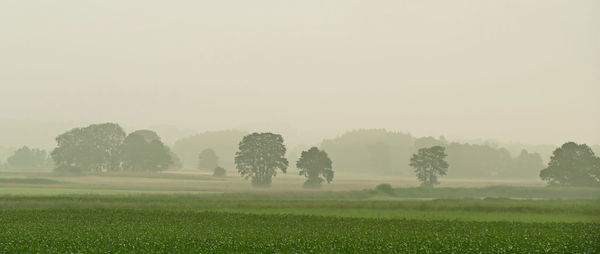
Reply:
x=313, y=164
x=208, y=159
x=141, y=154
x=429, y=163
x=149, y=136
x=572, y=165
x=259, y=157
x=90, y=149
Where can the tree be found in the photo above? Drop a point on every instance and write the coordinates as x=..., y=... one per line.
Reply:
x=219, y=171
x=149, y=135
x=208, y=159
x=313, y=164
x=28, y=159
x=139, y=154
x=259, y=157
x=572, y=165
x=429, y=163
x=90, y=149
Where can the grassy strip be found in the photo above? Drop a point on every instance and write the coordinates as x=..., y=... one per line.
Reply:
x=463, y=209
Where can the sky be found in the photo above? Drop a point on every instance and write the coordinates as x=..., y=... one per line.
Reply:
x=512, y=70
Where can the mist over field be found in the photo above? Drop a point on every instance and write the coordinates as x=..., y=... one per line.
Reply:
x=269, y=126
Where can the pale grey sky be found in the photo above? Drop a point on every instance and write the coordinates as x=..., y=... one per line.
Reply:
x=513, y=70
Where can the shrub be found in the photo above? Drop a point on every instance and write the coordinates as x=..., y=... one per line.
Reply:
x=219, y=171
x=385, y=188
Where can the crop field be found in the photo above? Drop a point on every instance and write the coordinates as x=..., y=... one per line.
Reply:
x=196, y=214
x=159, y=231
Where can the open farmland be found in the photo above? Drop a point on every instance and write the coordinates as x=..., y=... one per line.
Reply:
x=167, y=231
x=191, y=213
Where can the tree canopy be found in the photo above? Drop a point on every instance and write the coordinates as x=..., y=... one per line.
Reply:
x=313, y=164
x=90, y=149
x=572, y=165
x=429, y=163
x=259, y=157
x=26, y=158
x=139, y=154
x=208, y=159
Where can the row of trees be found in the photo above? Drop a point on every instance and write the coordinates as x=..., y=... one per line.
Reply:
x=571, y=164
x=106, y=147
x=262, y=155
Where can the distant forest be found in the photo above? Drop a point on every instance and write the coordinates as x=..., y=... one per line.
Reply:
x=385, y=152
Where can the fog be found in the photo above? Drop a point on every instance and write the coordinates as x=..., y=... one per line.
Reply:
x=517, y=71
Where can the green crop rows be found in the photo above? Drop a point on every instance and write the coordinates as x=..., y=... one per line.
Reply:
x=170, y=231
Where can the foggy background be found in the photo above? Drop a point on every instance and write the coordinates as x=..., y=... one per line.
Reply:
x=517, y=71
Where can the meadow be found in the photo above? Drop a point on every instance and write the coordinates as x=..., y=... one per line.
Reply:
x=178, y=213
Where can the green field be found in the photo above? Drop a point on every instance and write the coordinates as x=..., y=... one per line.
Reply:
x=202, y=214
x=160, y=231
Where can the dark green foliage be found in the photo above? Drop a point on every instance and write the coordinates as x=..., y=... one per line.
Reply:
x=385, y=188
x=90, y=149
x=573, y=165
x=160, y=231
x=429, y=163
x=207, y=160
x=224, y=143
x=259, y=157
x=219, y=171
x=29, y=159
x=313, y=164
x=140, y=154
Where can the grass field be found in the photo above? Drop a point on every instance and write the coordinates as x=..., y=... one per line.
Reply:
x=44, y=213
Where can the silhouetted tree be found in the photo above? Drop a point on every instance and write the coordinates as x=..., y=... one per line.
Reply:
x=208, y=159
x=313, y=164
x=259, y=157
x=139, y=154
x=219, y=171
x=28, y=159
x=90, y=149
x=572, y=165
x=429, y=163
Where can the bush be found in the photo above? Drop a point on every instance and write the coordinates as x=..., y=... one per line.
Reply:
x=385, y=188
x=219, y=171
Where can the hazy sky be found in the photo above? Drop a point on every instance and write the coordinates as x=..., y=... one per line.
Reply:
x=514, y=70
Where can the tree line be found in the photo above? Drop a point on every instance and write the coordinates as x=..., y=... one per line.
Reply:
x=260, y=156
